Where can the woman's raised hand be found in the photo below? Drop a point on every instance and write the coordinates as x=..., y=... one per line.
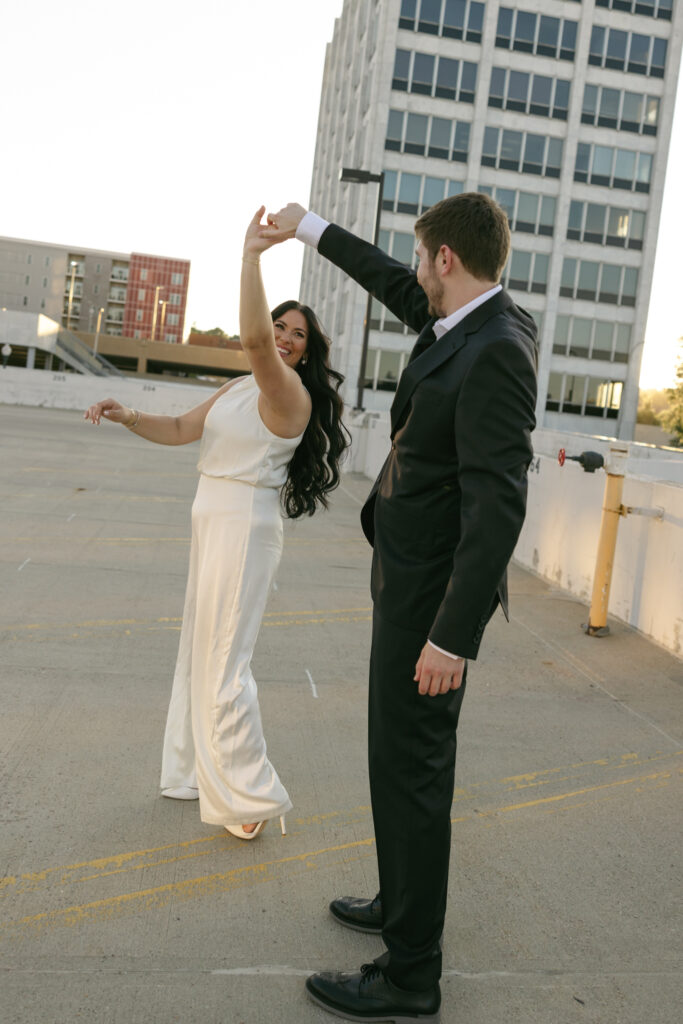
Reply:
x=254, y=241
x=111, y=410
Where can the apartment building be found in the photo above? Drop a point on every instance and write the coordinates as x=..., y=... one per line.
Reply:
x=132, y=295
x=561, y=110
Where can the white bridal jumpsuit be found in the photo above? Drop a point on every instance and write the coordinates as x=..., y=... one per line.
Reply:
x=214, y=737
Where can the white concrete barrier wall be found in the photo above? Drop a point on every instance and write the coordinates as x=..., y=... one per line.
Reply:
x=54, y=390
x=560, y=535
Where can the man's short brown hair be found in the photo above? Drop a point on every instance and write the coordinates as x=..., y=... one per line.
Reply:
x=474, y=226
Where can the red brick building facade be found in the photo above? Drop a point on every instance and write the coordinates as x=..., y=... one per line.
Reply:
x=156, y=298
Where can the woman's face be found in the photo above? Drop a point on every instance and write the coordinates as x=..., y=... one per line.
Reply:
x=291, y=336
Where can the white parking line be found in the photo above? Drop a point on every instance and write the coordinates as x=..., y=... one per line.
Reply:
x=313, y=686
x=69, y=518
x=25, y=562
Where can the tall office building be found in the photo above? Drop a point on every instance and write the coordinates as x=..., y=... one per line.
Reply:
x=139, y=296
x=561, y=110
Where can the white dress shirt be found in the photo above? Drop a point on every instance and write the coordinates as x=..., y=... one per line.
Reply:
x=310, y=230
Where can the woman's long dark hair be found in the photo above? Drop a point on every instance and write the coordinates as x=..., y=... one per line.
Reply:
x=314, y=469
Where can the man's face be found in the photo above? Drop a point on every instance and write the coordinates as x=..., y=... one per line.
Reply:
x=429, y=280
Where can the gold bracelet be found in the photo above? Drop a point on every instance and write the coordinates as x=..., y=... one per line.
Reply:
x=136, y=420
x=245, y=260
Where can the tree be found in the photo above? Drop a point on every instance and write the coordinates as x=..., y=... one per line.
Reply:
x=672, y=418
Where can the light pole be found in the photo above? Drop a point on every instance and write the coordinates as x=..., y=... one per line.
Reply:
x=163, y=303
x=100, y=311
x=360, y=177
x=74, y=264
x=159, y=288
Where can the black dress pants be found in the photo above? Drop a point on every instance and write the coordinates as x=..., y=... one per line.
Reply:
x=412, y=746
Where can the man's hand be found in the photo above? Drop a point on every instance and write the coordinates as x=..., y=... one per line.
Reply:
x=438, y=673
x=283, y=224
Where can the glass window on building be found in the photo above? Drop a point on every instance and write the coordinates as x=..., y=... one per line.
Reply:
x=594, y=230
x=617, y=226
x=409, y=193
x=534, y=151
x=440, y=138
x=388, y=370
x=622, y=342
x=575, y=221
x=389, y=190
x=596, y=397
x=561, y=338
x=394, y=130
x=658, y=60
x=608, y=116
x=554, y=393
x=423, y=74
x=581, y=337
x=574, y=388
x=631, y=112
x=527, y=211
x=497, y=87
x=553, y=159
x=601, y=165
x=506, y=198
x=407, y=15
x=416, y=133
x=510, y=150
x=629, y=286
x=546, y=220
x=447, y=78
x=617, y=41
x=639, y=53
x=454, y=188
x=624, y=169
x=610, y=279
x=636, y=230
x=504, y=28
x=401, y=70
x=568, y=44
x=143, y=274
x=430, y=16
x=525, y=32
x=602, y=340
x=454, y=19
x=518, y=90
x=643, y=172
x=568, y=277
x=461, y=141
x=587, y=287
x=590, y=104
x=597, y=45
x=403, y=247
x=548, y=36
x=475, y=22
x=651, y=115
x=520, y=270
x=468, y=82
x=561, y=99
x=489, y=153
x=539, y=277
x=433, y=192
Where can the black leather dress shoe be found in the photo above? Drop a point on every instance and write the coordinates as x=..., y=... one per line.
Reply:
x=359, y=914
x=368, y=995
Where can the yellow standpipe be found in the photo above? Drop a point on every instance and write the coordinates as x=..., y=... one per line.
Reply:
x=612, y=510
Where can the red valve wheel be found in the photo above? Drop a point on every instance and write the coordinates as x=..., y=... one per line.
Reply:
x=562, y=455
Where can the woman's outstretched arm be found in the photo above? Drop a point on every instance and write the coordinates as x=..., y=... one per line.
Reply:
x=286, y=405
x=159, y=429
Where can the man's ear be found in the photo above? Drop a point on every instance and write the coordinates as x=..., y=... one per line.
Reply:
x=447, y=260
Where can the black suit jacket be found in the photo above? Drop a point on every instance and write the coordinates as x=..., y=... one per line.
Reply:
x=446, y=510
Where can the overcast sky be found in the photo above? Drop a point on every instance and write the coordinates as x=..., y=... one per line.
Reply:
x=159, y=126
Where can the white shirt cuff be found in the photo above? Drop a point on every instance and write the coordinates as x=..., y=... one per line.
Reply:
x=455, y=657
x=310, y=229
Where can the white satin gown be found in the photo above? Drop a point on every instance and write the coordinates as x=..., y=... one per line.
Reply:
x=214, y=738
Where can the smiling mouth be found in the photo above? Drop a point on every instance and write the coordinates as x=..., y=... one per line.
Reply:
x=283, y=351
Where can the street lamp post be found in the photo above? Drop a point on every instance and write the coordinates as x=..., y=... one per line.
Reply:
x=159, y=288
x=97, y=329
x=163, y=303
x=74, y=264
x=360, y=177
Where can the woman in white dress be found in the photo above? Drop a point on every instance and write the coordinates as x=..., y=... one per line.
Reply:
x=271, y=438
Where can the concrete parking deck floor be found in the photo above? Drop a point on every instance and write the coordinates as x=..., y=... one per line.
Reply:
x=119, y=906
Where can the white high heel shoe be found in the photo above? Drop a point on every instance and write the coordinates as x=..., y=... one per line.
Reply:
x=181, y=793
x=237, y=830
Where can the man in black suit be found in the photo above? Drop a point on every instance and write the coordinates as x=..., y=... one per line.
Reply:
x=443, y=517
